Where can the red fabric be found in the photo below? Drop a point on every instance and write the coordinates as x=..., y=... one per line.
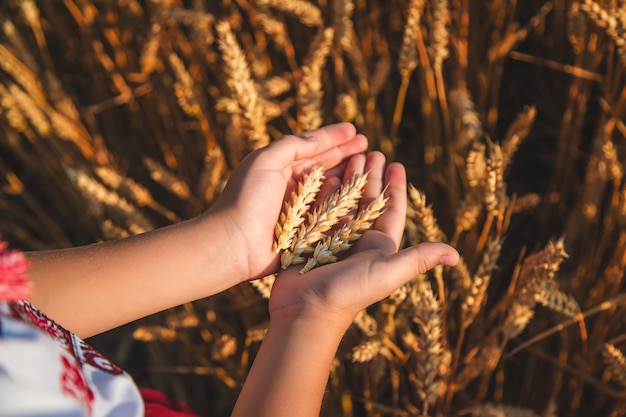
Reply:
x=158, y=404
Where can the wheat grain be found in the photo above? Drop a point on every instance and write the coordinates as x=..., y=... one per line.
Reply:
x=19, y=45
x=12, y=112
x=274, y=28
x=516, y=133
x=526, y=202
x=224, y=347
x=407, y=59
x=615, y=360
x=427, y=223
x=475, y=164
x=470, y=127
x=121, y=211
x=276, y=86
x=614, y=27
x=518, y=317
x=149, y=59
x=307, y=13
x=366, y=323
x=166, y=179
x=469, y=210
x=309, y=88
x=342, y=22
x=347, y=108
x=155, y=333
x=367, y=350
x=494, y=194
x=241, y=84
x=264, y=285
x=22, y=75
x=576, y=28
x=474, y=298
x=31, y=110
x=323, y=218
x=548, y=294
x=293, y=212
x=184, y=87
x=439, y=35
x=612, y=164
x=326, y=251
x=432, y=363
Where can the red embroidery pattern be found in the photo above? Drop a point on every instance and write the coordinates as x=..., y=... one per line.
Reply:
x=78, y=348
x=73, y=383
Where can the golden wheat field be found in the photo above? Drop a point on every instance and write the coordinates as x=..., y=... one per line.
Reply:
x=120, y=116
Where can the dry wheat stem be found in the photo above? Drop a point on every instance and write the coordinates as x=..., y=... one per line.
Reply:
x=323, y=218
x=293, y=212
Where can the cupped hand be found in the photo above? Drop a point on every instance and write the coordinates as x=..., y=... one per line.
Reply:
x=252, y=200
x=374, y=268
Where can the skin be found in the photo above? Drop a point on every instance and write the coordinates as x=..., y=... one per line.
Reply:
x=95, y=288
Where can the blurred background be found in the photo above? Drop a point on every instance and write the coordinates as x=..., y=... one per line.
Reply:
x=121, y=116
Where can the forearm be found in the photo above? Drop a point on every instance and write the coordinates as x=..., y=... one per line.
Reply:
x=94, y=288
x=290, y=372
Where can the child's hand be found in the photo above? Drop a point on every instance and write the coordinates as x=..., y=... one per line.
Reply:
x=374, y=269
x=251, y=202
x=310, y=313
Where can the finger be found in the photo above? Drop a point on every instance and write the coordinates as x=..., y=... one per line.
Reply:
x=396, y=269
x=334, y=156
x=391, y=222
x=331, y=184
x=375, y=168
x=356, y=166
x=283, y=152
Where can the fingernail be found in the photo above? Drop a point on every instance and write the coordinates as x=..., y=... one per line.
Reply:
x=305, y=136
x=448, y=260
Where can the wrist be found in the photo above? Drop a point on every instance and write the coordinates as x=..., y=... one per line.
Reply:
x=314, y=319
x=221, y=248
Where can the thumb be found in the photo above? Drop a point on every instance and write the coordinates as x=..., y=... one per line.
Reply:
x=293, y=148
x=400, y=267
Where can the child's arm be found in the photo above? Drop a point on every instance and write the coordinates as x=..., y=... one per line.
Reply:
x=94, y=288
x=309, y=313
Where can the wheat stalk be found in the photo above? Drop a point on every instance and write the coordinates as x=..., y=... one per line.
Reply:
x=439, y=35
x=470, y=126
x=309, y=89
x=432, y=360
x=326, y=250
x=293, y=212
x=242, y=85
x=614, y=26
x=323, y=219
x=472, y=303
x=307, y=13
x=427, y=223
x=616, y=362
x=516, y=133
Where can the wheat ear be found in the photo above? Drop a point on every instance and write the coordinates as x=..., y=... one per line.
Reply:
x=293, y=214
x=616, y=362
x=323, y=219
x=326, y=250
